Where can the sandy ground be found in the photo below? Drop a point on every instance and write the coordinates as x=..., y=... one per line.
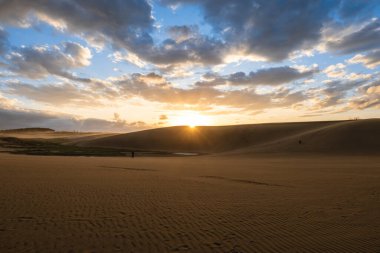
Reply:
x=191, y=204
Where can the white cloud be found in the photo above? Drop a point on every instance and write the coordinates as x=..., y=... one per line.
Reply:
x=335, y=71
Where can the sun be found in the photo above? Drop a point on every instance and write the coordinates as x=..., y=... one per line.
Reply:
x=191, y=119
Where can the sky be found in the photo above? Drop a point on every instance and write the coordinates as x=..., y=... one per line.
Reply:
x=127, y=65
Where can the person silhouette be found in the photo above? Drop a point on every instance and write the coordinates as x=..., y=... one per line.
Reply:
x=133, y=154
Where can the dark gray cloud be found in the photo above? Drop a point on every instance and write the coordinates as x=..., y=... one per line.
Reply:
x=192, y=50
x=39, y=62
x=182, y=32
x=4, y=44
x=366, y=38
x=271, y=29
x=186, y=46
x=269, y=76
x=276, y=29
x=122, y=23
x=272, y=76
x=11, y=118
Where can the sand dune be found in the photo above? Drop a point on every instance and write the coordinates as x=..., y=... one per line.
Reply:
x=354, y=137
x=348, y=137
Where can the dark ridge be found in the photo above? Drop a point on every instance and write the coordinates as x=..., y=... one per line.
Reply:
x=30, y=129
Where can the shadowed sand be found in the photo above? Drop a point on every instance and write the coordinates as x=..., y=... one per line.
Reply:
x=189, y=204
x=333, y=137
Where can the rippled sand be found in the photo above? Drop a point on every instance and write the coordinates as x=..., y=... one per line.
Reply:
x=190, y=204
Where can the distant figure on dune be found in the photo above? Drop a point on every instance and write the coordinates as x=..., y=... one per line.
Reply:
x=133, y=154
x=299, y=142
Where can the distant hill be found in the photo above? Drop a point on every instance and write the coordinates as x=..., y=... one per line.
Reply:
x=31, y=129
x=346, y=137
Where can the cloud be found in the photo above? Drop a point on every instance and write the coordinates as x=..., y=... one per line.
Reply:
x=266, y=76
x=163, y=117
x=122, y=23
x=156, y=88
x=261, y=29
x=357, y=10
x=335, y=71
x=371, y=60
x=335, y=92
x=80, y=55
x=270, y=29
x=181, y=33
x=374, y=90
x=203, y=96
x=93, y=93
x=129, y=57
x=41, y=61
x=12, y=118
x=54, y=94
x=152, y=79
x=201, y=50
x=369, y=97
x=6, y=103
x=4, y=44
x=363, y=102
x=125, y=25
x=276, y=30
x=364, y=38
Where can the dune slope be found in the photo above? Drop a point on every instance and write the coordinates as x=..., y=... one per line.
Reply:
x=348, y=137
x=362, y=136
x=207, y=139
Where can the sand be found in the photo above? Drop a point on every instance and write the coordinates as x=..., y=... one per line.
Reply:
x=190, y=204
